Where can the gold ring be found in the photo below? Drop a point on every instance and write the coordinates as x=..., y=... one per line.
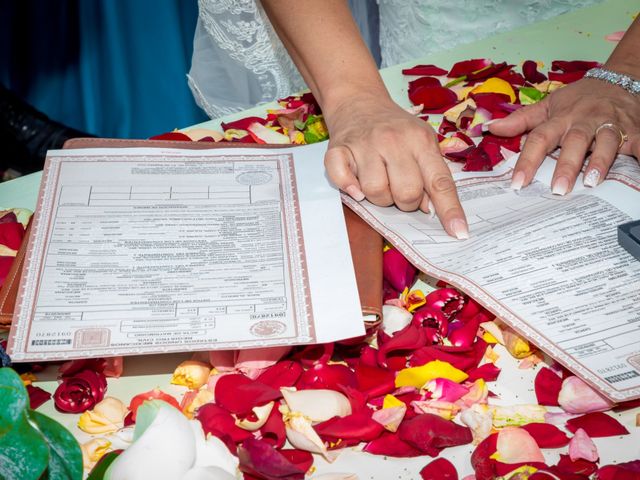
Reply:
x=615, y=128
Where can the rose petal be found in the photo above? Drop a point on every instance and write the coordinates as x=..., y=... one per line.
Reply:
x=546, y=435
x=11, y=234
x=156, y=393
x=265, y=135
x=516, y=445
x=242, y=123
x=531, y=73
x=409, y=338
x=579, y=467
x=317, y=405
x=547, y=385
x=464, y=336
x=430, y=433
x=390, y=444
x=252, y=361
x=274, y=431
x=301, y=434
x=394, y=318
x=466, y=67
x=261, y=414
x=566, y=78
x=173, y=136
x=445, y=389
x=576, y=396
x=397, y=270
x=615, y=36
x=622, y=471
x=191, y=374
x=597, y=424
x=433, y=99
x=349, y=430
x=573, y=65
x=459, y=358
x=259, y=458
x=443, y=409
x=448, y=300
x=326, y=376
x=439, y=469
x=496, y=85
x=240, y=394
x=37, y=396
x=517, y=415
x=419, y=376
x=373, y=380
x=582, y=447
x=390, y=417
x=479, y=420
x=282, y=374
x=488, y=372
x=424, y=70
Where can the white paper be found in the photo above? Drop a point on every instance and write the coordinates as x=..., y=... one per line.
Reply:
x=148, y=250
x=549, y=266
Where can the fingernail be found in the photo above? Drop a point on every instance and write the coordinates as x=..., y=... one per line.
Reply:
x=460, y=229
x=592, y=178
x=355, y=193
x=485, y=126
x=432, y=209
x=517, y=180
x=560, y=186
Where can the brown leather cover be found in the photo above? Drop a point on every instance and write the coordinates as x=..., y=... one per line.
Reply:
x=364, y=241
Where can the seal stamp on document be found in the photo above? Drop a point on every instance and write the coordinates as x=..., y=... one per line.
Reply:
x=268, y=328
x=91, y=338
x=257, y=177
x=634, y=361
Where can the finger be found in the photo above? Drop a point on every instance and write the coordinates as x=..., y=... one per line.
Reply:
x=520, y=121
x=442, y=192
x=604, y=153
x=426, y=205
x=374, y=179
x=632, y=146
x=575, y=144
x=405, y=181
x=540, y=141
x=343, y=170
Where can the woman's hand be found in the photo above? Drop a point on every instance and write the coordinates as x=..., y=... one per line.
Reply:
x=586, y=115
x=379, y=151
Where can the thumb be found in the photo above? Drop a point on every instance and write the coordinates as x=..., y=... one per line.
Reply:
x=342, y=170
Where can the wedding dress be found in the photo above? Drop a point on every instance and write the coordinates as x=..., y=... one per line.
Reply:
x=238, y=60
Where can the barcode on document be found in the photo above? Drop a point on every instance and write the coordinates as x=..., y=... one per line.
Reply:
x=52, y=341
x=622, y=376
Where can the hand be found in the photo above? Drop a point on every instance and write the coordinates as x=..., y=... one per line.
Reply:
x=381, y=152
x=569, y=117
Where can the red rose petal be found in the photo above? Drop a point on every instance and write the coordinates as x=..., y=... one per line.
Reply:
x=465, y=335
x=261, y=460
x=37, y=396
x=488, y=372
x=9, y=217
x=459, y=358
x=580, y=467
x=313, y=354
x=495, y=103
x=546, y=435
x=239, y=394
x=11, y=234
x=622, y=471
x=374, y=381
x=434, y=99
x=573, y=65
x=568, y=77
x=409, y=338
x=350, y=430
x=300, y=458
x=531, y=73
x=392, y=445
x=547, y=385
x=439, y=469
x=80, y=392
x=478, y=160
x=274, y=431
x=218, y=422
x=447, y=127
x=5, y=266
x=492, y=71
x=597, y=424
x=422, y=82
x=468, y=66
x=424, y=70
x=430, y=433
x=173, y=136
x=242, y=123
x=510, y=143
x=150, y=395
x=502, y=469
x=397, y=270
x=282, y=374
x=481, y=461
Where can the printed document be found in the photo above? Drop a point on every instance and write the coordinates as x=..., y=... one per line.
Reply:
x=148, y=250
x=549, y=266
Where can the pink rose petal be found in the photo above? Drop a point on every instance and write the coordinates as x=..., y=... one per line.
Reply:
x=577, y=397
x=581, y=447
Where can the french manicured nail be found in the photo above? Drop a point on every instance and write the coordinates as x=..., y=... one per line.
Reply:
x=355, y=193
x=517, y=180
x=560, y=186
x=485, y=126
x=592, y=178
x=460, y=229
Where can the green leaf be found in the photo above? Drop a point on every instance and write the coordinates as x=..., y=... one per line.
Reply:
x=13, y=398
x=97, y=473
x=24, y=454
x=530, y=95
x=65, y=460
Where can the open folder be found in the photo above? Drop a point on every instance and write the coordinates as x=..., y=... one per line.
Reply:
x=258, y=183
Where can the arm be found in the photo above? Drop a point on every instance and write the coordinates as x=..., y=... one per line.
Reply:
x=570, y=117
x=376, y=149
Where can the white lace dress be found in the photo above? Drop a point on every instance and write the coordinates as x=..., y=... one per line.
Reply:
x=238, y=60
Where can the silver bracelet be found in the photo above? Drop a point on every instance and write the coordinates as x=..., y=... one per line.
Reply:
x=625, y=81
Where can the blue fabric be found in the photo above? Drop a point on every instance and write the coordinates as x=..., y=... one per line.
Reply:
x=112, y=68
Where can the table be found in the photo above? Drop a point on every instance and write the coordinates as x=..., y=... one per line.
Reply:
x=575, y=36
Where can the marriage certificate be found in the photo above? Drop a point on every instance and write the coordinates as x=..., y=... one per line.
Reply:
x=549, y=266
x=148, y=250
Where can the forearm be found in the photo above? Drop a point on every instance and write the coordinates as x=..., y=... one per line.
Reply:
x=626, y=56
x=326, y=46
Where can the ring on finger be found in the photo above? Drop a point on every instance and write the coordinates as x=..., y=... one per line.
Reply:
x=615, y=128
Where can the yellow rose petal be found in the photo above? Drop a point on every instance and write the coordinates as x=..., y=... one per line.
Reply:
x=496, y=85
x=191, y=374
x=418, y=376
x=93, y=450
x=390, y=402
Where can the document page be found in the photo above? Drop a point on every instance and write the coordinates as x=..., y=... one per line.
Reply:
x=550, y=266
x=148, y=250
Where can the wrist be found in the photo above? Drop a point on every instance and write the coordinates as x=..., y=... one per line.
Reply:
x=613, y=77
x=349, y=92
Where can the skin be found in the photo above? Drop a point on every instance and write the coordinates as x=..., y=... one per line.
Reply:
x=569, y=118
x=380, y=152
